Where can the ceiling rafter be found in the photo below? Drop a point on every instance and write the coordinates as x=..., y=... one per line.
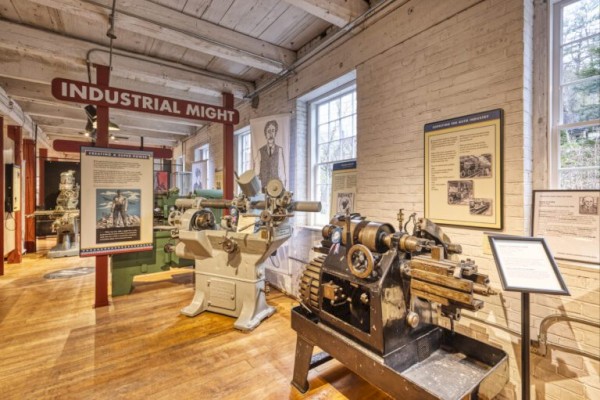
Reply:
x=53, y=47
x=168, y=25
x=123, y=120
x=337, y=12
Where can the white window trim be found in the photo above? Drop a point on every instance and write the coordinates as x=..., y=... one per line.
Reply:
x=556, y=93
x=312, y=132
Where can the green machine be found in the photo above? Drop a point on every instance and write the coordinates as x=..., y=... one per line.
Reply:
x=126, y=266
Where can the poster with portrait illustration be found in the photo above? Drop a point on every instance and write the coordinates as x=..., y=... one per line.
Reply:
x=343, y=188
x=270, y=148
x=116, y=201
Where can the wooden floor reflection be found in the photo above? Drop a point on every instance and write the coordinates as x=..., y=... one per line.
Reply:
x=54, y=344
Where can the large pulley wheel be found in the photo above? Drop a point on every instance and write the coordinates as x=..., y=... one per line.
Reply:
x=174, y=218
x=360, y=261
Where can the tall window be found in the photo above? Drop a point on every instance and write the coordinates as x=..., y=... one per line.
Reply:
x=334, y=138
x=576, y=95
x=243, y=150
x=201, y=153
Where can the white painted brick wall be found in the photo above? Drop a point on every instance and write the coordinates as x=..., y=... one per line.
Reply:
x=428, y=61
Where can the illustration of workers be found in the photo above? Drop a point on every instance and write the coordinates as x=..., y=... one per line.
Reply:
x=119, y=209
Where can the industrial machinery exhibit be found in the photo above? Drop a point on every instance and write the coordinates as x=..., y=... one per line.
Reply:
x=373, y=300
x=66, y=217
x=229, y=257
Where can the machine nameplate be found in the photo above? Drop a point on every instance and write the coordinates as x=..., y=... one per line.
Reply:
x=221, y=294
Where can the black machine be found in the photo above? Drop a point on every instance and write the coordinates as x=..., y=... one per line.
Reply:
x=372, y=301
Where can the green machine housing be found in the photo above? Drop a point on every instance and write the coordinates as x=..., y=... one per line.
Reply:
x=128, y=265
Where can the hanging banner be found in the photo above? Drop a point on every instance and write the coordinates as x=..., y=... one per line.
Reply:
x=271, y=148
x=116, y=201
x=343, y=188
x=463, y=170
x=107, y=96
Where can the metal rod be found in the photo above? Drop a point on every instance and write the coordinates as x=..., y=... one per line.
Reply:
x=525, y=392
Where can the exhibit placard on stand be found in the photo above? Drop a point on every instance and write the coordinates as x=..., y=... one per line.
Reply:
x=116, y=201
x=526, y=265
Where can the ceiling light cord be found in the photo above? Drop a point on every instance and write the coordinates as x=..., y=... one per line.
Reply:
x=111, y=33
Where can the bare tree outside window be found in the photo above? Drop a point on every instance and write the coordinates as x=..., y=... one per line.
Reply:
x=577, y=94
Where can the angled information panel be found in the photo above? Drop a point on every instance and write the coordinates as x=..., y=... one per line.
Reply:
x=116, y=199
x=525, y=264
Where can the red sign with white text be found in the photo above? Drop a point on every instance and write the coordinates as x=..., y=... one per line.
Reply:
x=108, y=96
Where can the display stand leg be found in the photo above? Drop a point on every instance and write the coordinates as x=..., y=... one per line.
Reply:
x=525, y=392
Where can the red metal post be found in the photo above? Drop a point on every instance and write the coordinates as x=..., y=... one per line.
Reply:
x=29, y=156
x=103, y=79
x=2, y=193
x=16, y=256
x=42, y=175
x=228, y=151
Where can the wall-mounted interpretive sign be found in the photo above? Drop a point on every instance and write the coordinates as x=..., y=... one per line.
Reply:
x=463, y=170
x=570, y=223
x=116, y=201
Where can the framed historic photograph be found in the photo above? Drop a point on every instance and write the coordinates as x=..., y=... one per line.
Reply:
x=526, y=264
x=570, y=223
x=463, y=170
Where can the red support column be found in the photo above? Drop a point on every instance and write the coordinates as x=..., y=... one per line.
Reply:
x=228, y=151
x=29, y=156
x=16, y=256
x=42, y=175
x=102, y=79
x=2, y=193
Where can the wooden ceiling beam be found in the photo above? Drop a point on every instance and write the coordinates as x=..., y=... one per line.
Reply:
x=25, y=88
x=168, y=25
x=20, y=41
x=124, y=121
x=336, y=12
x=71, y=127
x=132, y=140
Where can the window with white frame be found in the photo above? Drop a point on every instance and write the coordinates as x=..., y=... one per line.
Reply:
x=575, y=146
x=243, y=150
x=201, y=153
x=333, y=125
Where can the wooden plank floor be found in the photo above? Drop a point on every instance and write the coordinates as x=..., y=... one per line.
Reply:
x=55, y=345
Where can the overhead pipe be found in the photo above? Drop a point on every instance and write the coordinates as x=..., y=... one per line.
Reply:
x=248, y=85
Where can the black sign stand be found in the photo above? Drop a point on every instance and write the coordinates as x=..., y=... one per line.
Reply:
x=525, y=392
x=526, y=265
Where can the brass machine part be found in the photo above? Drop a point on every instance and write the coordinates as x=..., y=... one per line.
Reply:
x=373, y=235
x=360, y=261
x=437, y=281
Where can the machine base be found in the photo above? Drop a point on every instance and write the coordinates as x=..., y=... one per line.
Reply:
x=57, y=251
x=449, y=365
x=232, y=297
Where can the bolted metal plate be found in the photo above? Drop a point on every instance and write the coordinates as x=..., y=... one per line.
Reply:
x=69, y=273
x=221, y=294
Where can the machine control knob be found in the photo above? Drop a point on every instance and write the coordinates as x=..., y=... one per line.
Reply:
x=412, y=319
x=229, y=246
x=360, y=261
